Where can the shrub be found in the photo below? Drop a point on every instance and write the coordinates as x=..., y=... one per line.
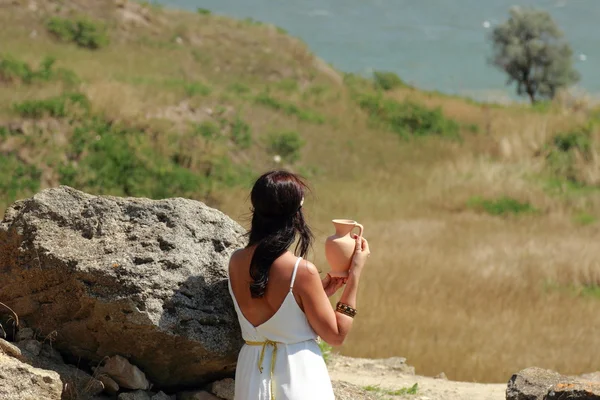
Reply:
x=238, y=88
x=267, y=100
x=565, y=149
x=203, y=11
x=13, y=70
x=121, y=161
x=82, y=31
x=241, y=133
x=501, y=206
x=18, y=178
x=407, y=118
x=286, y=144
x=59, y=106
x=196, y=88
x=387, y=80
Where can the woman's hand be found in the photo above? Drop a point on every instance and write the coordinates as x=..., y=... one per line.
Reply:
x=361, y=253
x=332, y=285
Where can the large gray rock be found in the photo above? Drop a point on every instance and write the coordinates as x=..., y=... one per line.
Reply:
x=541, y=384
x=20, y=381
x=531, y=384
x=141, y=278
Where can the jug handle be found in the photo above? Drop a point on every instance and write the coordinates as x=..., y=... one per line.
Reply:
x=360, y=227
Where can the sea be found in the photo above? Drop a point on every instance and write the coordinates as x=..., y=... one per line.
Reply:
x=440, y=45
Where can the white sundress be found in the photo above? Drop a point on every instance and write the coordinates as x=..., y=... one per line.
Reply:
x=281, y=359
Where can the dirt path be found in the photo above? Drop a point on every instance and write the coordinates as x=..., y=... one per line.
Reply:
x=394, y=374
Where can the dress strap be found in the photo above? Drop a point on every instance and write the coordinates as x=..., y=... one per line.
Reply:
x=294, y=273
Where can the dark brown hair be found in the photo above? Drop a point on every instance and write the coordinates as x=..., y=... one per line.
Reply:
x=277, y=219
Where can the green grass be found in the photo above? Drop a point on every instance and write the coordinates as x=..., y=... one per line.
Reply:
x=591, y=291
x=13, y=70
x=18, y=178
x=412, y=390
x=583, y=218
x=288, y=108
x=326, y=350
x=501, y=206
x=59, y=106
x=82, y=31
x=407, y=119
x=385, y=80
x=287, y=145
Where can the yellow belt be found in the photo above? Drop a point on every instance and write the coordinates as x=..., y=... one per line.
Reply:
x=264, y=345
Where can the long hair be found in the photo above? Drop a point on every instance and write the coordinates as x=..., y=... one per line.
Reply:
x=277, y=219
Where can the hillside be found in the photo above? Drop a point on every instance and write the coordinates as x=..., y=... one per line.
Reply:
x=482, y=218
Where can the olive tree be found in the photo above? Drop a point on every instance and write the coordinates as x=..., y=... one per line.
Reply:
x=531, y=49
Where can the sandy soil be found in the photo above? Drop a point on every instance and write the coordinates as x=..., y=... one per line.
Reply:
x=394, y=374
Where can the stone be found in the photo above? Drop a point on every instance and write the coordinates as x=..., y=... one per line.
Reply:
x=137, y=395
x=346, y=391
x=592, y=376
x=20, y=381
x=145, y=279
x=124, y=373
x=531, y=384
x=575, y=391
x=110, y=386
x=31, y=346
x=196, y=395
x=10, y=349
x=24, y=334
x=441, y=376
x=51, y=353
x=162, y=396
x=225, y=388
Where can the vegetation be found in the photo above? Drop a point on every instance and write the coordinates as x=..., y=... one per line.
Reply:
x=325, y=351
x=407, y=118
x=399, y=392
x=501, y=206
x=287, y=145
x=387, y=80
x=204, y=117
x=82, y=31
x=530, y=48
x=13, y=70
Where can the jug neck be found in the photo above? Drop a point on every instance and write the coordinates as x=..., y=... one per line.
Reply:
x=342, y=229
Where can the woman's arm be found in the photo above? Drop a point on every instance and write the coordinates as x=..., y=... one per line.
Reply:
x=331, y=326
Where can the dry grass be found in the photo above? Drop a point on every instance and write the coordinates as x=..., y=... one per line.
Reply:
x=452, y=290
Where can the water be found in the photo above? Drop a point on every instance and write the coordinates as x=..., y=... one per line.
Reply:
x=433, y=44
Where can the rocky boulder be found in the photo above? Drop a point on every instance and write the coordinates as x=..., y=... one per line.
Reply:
x=134, y=277
x=541, y=384
x=20, y=381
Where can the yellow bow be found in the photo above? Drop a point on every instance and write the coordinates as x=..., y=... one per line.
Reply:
x=264, y=345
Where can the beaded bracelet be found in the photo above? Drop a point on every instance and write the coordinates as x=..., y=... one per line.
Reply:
x=345, y=309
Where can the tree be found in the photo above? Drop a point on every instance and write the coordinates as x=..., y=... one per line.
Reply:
x=530, y=48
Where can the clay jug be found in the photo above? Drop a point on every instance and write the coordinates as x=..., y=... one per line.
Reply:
x=339, y=248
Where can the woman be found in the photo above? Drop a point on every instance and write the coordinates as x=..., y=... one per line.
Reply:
x=282, y=303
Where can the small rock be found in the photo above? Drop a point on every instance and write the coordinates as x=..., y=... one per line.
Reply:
x=196, y=395
x=224, y=388
x=10, y=349
x=178, y=40
x=162, y=396
x=51, y=353
x=126, y=375
x=31, y=345
x=24, y=334
x=441, y=375
x=137, y=395
x=110, y=386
